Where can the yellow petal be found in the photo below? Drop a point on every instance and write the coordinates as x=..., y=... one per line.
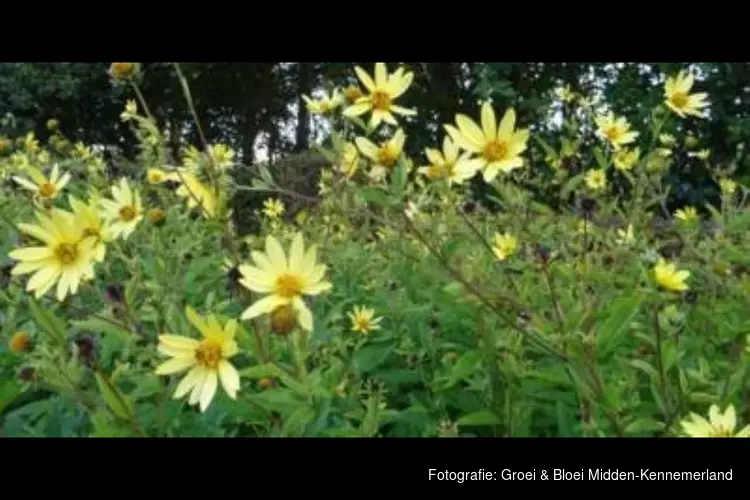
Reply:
x=304, y=315
x=209, y=389
x=276, y=255
x=471, y=131
x=505, y=130
x=263, y=306
x=31, y=253
x=196, y=320
x=229, y=377
x=174, y=365
x=178, y=341
x=488, y=121
x=365, y=79
x=381, y=75
x=188, y=381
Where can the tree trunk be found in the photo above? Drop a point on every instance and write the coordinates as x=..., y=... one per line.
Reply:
x=304, y=87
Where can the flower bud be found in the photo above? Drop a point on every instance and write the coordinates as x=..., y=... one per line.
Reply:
x=122, y=70
x=27, y=373
x=5, y=144
x=20, y=342
x=157, y=217
x=283, y=320
x=52, y=124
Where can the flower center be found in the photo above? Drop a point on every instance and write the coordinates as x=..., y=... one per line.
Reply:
x=363, y=324
x=91, y=231
x=612, y=133
x=288, y=286
x=380, y=100
x=679, y=99
x=47, y=190
x=127, y=213
x=208, y=354
x=386, y=156
x=66, y=253
x=495, y=151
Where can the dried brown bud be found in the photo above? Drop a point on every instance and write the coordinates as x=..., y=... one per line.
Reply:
x=283, y=320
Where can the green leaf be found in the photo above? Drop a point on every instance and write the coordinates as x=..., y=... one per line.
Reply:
x=370, y=357
x=294, y=424
x=465, y=366
x=547, y=148
x=572, y=184
x=600, y=158
x=645, y=367
x=611, y=333
x=10, y=389
x=479, y=418
x=114, y=399
x=643, y=426
x=51, y=324
x=376, y=196
x=108, y=327
x=271, y=370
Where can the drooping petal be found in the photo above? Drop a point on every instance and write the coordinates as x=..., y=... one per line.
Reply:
x=304, y=314
x=264, y=306
x=209, y=389
x=188, y=382
x=230, y=378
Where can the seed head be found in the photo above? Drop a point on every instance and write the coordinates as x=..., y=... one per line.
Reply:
x=20, y=342
x=283, y=320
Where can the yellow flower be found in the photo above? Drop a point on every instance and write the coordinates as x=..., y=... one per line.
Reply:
x=616, y=130
x=703, y=154
x=626, y=159
x=324, y=105
x=364, y=320
x=719, y=425
x=124, y=211
x=728, y=186
x=42, y=187
x=667, y=140
x=678, y=98
x=191, y=158
x=669, y=277
x=19, y=342
x=687, y=214
x=625, y=237
x=504, y=245
x=273, y=208
x=66, y=258
x=131, y=110
x=382, y=92
x=448, y=165
x=384, y=157
x=30, y=143
x=284, y=280
x=81, y=151
x=207, y=359
x=348, y=163
x=222, y=156
x=498, y=146
x=196, y=193
x=93, y=225
x=596, y=179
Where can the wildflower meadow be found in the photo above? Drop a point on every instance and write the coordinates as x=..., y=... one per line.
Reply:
x=505, y=279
